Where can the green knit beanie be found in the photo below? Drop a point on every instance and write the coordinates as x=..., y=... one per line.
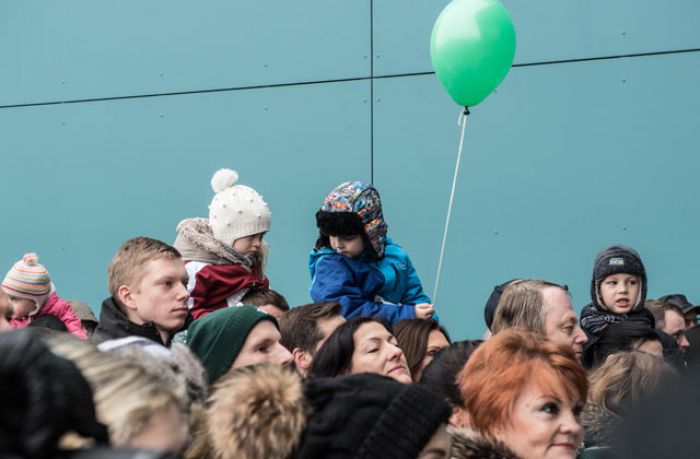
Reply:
x=217, y=338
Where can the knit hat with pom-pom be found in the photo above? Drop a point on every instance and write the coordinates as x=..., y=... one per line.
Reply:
x=237, y=210
x=28, y=279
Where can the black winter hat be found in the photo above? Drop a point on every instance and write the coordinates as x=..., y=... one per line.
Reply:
x=492, y=302
x=369, y=416
x=680, y=301
x=617, y=259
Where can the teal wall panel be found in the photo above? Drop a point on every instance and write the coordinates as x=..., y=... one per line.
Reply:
x=547, y=30
x=81, y=49
x=85, y=177
x=562, y=161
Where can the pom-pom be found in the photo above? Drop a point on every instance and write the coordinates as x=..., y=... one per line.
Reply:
x=30, y=258
x=222, y=179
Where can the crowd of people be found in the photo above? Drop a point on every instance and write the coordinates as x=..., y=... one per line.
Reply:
x=195, y=356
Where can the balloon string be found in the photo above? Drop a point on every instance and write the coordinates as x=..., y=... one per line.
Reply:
x=461, y=121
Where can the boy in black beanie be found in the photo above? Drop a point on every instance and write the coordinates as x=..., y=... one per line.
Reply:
x=618, y=291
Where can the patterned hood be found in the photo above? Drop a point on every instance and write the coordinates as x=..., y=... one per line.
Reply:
x=361, y=200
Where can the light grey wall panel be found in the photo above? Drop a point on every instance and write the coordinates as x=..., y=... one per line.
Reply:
x=82, y=178
x=562, y=161
x=82, y=49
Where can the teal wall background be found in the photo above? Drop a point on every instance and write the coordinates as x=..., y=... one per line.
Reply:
x=114, y=115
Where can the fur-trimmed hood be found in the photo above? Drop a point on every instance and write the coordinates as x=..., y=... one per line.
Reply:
x=176, y=367
x=196, y=242
x=467, y=444
x=255, y=412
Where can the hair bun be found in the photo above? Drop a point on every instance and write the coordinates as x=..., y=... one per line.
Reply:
x=31, y=258
x=222, y=179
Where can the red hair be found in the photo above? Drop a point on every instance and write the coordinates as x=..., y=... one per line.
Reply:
x=499, y=370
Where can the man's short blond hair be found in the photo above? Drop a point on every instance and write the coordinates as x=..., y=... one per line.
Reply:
x=126, y=268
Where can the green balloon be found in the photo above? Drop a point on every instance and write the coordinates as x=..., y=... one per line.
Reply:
x=472, y=48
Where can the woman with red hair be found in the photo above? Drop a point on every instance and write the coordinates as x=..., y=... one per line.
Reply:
x=523, y=396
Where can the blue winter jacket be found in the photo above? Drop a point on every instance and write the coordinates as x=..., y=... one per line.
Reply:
x=354, y=284
x=401, y=282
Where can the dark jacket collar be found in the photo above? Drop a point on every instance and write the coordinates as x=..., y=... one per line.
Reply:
x=114, y=324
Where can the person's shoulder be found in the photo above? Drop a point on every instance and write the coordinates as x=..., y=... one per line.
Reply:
x=56, y=305
x=393, y=250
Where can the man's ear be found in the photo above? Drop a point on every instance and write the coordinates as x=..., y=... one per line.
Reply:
x=125, y=297
x=302, y=359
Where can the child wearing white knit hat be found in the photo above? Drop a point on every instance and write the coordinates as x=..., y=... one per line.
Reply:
x=28, y=286
x=224, y=255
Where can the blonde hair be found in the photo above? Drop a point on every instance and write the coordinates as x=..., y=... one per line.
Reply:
x=522, y=306
x=126, y=395
x=126, y=267
x=625, y=379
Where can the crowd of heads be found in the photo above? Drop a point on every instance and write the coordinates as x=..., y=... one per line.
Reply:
x=195, y=356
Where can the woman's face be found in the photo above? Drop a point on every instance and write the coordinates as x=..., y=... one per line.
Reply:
x=376, y=351
x=436, y=341
x=543, y=425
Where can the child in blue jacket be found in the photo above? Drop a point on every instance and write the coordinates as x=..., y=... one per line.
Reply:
x=357, y=265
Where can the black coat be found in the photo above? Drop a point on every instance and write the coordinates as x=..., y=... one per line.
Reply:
x=114, y=324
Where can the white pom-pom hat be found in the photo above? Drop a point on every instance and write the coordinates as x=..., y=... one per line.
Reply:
x=237, y=210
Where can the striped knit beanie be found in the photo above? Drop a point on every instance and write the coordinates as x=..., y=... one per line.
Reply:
x=28, y=279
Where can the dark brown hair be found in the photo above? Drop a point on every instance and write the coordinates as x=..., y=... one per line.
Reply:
x=299, y=325
x=412, y=337
x=440, y=375
x=264, y=296
x=335, y=356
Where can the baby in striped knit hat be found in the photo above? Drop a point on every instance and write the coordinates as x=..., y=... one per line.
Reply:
x=29, y=288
